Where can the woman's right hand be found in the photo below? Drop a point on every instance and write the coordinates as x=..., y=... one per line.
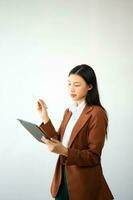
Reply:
x=42, y=110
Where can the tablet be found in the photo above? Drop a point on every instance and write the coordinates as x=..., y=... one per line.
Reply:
x=35, y=130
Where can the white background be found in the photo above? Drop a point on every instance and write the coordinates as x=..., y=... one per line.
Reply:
x=40, y=41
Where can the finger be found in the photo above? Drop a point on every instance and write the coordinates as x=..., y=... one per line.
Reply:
x=43, y=139
x=39, y=105
x=42, y=103
x=47, y=141
x=54, y=140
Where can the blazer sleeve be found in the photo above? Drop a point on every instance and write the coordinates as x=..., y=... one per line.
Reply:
x=96, y=137
x=50, y=130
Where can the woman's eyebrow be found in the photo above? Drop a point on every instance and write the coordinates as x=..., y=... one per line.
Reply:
x=74, y=82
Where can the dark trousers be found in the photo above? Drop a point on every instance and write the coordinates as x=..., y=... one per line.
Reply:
x=63, y=191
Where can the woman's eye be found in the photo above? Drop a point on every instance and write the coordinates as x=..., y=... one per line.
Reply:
x=75, y=85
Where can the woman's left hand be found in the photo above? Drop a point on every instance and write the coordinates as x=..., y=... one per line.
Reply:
x=55, y=146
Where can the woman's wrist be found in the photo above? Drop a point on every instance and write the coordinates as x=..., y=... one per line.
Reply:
x=45, y=119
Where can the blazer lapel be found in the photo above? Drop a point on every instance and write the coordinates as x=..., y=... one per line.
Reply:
x=80, y=123
x=65, y=122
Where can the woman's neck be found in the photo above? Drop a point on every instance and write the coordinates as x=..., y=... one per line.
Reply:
x=79, y=102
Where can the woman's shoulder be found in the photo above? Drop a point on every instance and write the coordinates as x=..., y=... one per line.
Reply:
x=98, y=115
x=97, y=110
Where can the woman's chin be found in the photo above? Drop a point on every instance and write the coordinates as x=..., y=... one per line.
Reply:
x=74, y=99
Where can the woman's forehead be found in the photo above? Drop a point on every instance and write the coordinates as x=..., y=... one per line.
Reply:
x=75, y=77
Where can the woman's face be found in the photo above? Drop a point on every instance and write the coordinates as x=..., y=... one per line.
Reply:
x=77, y=87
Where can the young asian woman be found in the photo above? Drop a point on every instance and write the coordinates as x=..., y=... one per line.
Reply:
x=79, y=140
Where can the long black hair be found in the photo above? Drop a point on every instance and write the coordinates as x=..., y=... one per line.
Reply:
x=88, y=74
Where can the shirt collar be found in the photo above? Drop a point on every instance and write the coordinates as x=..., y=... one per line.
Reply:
x=75, y=107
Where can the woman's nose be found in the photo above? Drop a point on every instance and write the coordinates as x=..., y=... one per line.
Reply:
x=72, y=89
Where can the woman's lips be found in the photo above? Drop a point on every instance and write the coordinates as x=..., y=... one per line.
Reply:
x=73, y=95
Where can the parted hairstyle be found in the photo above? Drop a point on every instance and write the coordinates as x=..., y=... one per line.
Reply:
x=88, y=74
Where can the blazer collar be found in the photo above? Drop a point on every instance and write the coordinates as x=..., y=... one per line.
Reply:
x=79, y=124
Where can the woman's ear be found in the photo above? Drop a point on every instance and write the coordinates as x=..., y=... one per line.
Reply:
x=90, y=87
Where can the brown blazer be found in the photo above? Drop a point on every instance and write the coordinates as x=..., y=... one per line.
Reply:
x=83, y=165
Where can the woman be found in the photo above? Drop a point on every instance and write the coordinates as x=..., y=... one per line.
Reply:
x=79, y=140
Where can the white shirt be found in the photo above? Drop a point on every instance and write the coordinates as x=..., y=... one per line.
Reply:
x=76, y=112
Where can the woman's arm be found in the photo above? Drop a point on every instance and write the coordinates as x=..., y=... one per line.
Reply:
x=50, y=130
x=46, y=125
